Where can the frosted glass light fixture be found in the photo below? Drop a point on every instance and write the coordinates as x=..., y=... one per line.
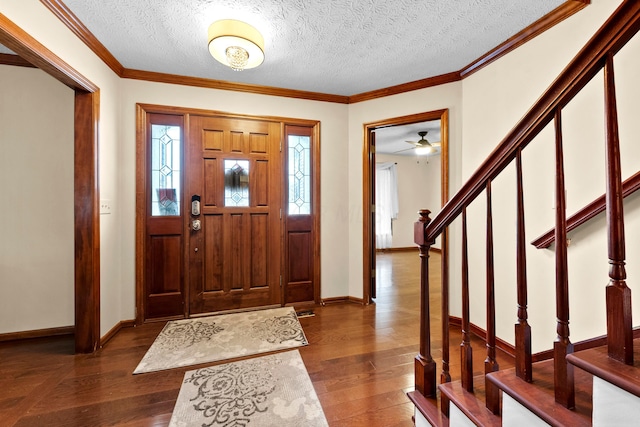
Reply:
x=236, y=44
x=424, y=150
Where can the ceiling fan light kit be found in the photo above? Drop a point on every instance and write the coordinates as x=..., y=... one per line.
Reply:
x=423, y=147
x=236, y=44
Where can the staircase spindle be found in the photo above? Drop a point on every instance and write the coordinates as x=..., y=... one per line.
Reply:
x=618, y=295
x=522, y=328
x=445, y=375
x=490, y=363
x=563, y=371
x=424, y=365
x=466, y=352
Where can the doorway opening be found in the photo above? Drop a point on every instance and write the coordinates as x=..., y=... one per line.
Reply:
x=86, y=197
x=434, y=123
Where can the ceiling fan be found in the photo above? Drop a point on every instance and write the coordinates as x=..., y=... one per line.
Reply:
x=423, y=146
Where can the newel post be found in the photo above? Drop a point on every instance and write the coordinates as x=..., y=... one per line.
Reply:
x=425, y=366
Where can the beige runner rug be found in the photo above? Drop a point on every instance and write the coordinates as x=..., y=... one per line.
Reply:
x=214, y=338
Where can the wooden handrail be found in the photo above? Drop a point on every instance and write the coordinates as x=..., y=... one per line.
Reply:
x=630, y=186
x=597, y=54
x=623, y=24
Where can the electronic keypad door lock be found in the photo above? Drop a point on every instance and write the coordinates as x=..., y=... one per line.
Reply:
x=195, y=205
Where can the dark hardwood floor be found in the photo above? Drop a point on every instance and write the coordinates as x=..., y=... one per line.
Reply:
x=360, y=359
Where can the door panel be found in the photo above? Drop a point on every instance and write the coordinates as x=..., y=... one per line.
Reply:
x=235, y=258
x=300, y=278
x=164, y=218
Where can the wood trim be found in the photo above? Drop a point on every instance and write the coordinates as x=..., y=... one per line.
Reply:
x=609, y=39
x=141, y=170
x=38, y=333
x=315, y=182
x=68, y=18
x=630, y=186
x=443, y=116
x=231, y=86
x=482, y=334
x=86, y=195
x=343, y=300
x=87, y=222
x=406, y=87
x=407, y=249
x=543, y=24
x=60, y=10
x=34, y=52
x=18, y=61
x=542, y=355
x=164, y=109
x=117, y=328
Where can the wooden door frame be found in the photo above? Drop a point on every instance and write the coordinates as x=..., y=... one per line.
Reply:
x=86, y=185
x=141, y=170
x=368, y=174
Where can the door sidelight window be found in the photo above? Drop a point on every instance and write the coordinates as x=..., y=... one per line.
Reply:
x=165, y=170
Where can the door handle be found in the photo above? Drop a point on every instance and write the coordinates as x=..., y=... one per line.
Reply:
x=196, y=225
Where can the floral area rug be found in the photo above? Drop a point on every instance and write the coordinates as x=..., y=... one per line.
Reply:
x=209, y=339
x=273, y=390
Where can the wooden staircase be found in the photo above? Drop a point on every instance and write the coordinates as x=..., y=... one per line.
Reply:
x=537, y=397
x=573, y=384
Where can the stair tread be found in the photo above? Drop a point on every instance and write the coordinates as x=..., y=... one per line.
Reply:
x=539, y=397
x=430, y=408
x=471, y=404
x=597, y=362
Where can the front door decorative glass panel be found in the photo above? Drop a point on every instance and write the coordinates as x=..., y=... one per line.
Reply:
x=299, y=175
x=165, y=170
x=236, y=183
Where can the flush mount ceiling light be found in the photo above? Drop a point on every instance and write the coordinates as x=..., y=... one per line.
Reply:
x=236, y=44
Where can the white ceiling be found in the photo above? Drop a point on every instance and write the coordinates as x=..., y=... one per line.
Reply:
x=340, y=47
x=393, y=139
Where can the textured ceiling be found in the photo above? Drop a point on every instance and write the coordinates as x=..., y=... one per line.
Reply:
x=341, y=47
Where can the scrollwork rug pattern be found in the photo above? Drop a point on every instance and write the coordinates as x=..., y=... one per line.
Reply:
x=273, y=390
x=209, y=339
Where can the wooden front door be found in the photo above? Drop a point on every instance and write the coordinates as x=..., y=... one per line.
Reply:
x=234, y=168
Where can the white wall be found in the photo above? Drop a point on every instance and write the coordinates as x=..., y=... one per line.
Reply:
x=418, y=188
x=36, y=217
x=333, y=124
x=493, y=100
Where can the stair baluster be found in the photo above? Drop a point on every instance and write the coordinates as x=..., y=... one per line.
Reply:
x=619, y=325
x=524, y=362
x=445, y=375
x=563, y=372
x=490, y=363
x=466, y=352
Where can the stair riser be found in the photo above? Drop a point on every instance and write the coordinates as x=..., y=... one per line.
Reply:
x=516, y=415
x=613, y=406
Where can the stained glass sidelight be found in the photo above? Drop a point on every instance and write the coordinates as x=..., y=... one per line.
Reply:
x=236, y=183
x=299, y=175
x=165, y=170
